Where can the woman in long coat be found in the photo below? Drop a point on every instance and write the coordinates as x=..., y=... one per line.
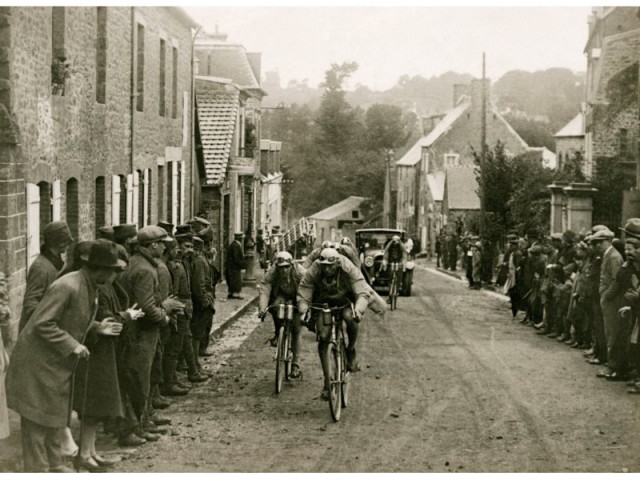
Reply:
x=101, y=399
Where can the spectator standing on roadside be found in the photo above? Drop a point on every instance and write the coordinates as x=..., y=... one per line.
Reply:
x=46, y=353
x=234, y=265
x=45, y=268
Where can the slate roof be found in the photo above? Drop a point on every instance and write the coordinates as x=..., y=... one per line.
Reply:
x=217, y=113
x=338, y=209
x=461, y=185
x=575, y=128
x=230, y=61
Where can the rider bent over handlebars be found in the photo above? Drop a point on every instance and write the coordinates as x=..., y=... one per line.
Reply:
x=334, y=280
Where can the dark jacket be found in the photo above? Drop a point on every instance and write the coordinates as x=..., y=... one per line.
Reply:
x=42, y=273
x=39, y=377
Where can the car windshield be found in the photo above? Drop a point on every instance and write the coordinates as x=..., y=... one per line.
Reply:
x=375, y=239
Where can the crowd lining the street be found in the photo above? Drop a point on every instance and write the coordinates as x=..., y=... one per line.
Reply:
x=580, y=289
x=110, y=334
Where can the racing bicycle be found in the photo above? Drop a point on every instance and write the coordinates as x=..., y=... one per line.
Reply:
x=284, y=353
x=336, y=357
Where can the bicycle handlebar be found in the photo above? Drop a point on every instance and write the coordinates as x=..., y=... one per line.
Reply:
x=263, y=314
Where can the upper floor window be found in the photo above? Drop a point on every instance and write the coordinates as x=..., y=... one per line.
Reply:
x=174, y=84
x=623, y=143
x=101, y=55
x=163, y=78
x=451, y=160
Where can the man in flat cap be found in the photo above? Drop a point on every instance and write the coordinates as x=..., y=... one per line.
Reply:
x=167, y=227
x=203, y=301
x=124, y=234
x=45, y=268
x=234, y=264
x=105, y=232
x=141, y=283
x=611, y=263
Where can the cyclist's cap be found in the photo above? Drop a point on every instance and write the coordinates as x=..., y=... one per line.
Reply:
x=395, y=238
x=329, y=256
x=283, y=259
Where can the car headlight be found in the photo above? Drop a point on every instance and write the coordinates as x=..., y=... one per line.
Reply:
x=368, y=262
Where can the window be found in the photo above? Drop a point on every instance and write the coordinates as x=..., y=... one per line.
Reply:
x=115, y=200
x=141, y=198
x=46, y=203
x=163, y=77
x=59, y=65
x=174, y=86
x=451, y=160
x=73, y=213
x=623, y=143
x=355, y=214
x=100, y=207
x=101, y=55
x=147, y=200
x=140, y=70
x=122, y=213
x=168, y=213
x=33, y=221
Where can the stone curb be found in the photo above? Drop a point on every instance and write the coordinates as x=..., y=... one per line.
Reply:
x=216, y=332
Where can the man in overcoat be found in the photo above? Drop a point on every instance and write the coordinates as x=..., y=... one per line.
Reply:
x=45, y=355
x=141, y=283
x=203, y=301
x=45, y=268
x=235, y=262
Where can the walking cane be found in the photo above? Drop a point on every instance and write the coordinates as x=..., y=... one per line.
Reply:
x=86, y=376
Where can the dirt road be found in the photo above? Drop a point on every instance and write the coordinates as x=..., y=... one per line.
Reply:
x=448, y=383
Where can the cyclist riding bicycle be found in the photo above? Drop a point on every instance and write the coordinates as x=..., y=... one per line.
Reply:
x=280, y=285
x=334, y=280
x=394, y=257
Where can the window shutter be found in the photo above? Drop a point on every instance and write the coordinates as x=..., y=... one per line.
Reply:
x=115, y=200
x=129, y=193
x=145, y=200
x=174, y=192
x=182, y=165
x=33, y=222
x=57, y=196
x=135, y=203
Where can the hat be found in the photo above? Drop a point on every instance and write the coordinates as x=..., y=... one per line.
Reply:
x=151, y=234
x=103, y=254
x=595, y=228
x=201, y=222
x=605, y=234
x=184, y=237
x=238, y=234
x=632, y=227
x=122, y=233
x=512, y=237
x=283, y=258
x=206, y=233
x=328, y=256
x=168, y=227
x=569, y=236
x=105, y=232
x=56, y=234
x=198, y=243
x=535, y=249
x=632, y=240
x=556, y=236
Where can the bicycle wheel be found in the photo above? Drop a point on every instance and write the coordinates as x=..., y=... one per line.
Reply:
x=288, y=354
x=344, y=386
x=280, y=359
x=335, y=378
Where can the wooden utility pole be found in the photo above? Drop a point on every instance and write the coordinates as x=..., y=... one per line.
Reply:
x=483, y=145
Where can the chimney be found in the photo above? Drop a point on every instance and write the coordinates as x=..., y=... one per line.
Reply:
x=458, y=90
x=255, y=62
x=222, y=37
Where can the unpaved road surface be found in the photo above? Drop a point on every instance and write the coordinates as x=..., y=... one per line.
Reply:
x=448, y=383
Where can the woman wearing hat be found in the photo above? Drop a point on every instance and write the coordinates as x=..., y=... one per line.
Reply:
x=96, y=389
x=47, y=350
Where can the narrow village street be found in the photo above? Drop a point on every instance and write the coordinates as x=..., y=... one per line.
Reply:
x=448, y=383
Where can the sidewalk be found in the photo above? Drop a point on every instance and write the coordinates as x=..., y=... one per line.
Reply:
x=227, y=311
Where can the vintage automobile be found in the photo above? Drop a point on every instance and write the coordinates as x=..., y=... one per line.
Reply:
x=370, y=243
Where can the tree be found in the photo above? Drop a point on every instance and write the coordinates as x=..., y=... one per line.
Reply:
x=336, y=119
x=387, y=127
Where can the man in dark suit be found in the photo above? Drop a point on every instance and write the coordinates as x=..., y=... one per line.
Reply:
x=610, y=304
x=234, y=264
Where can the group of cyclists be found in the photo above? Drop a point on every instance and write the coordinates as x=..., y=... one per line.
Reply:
x=330, y=276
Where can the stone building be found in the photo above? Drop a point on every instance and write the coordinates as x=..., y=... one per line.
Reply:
x=228, y=126
x=95, y=114
x=570, y=142
x=448, y=142
x=611, y=107
x=271, y=178
x=330, y=221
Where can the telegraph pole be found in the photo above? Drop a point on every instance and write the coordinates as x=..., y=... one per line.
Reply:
x=483, y=144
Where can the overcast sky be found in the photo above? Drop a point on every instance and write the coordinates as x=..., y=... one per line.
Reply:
x=387, y=42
